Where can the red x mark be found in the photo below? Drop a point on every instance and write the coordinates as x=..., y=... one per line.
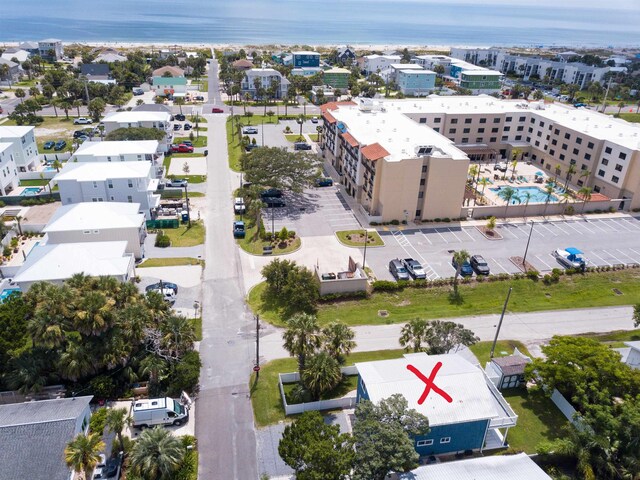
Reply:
x=429, y=383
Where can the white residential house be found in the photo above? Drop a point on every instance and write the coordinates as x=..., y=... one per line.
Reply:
x=122, y=151
x=631, y=354
x=378, y=63
x=18, y=54
x=99, y=222
x=8, y=169
x=390, y=74
x=51, y=48
x=266, y=76
x=14, y=70
x=136, y=118
x=25, y=146
x=130, y=182
x=58, y=262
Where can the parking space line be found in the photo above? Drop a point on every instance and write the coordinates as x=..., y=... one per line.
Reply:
x=556, y=224
x=548, y=230
x=500, y=265
x=570, y=225
x=468, y=234
x=441, y=236
x=457, y=238
x=545, y=263
x=612, y=256
x=637, y=253
x=524, y=230
x=630, y=223
x=620, y=225
x=431, y=273
x=425, y=237
x=595, y=254
x=505, y=229
x=607, y=223
x=617, y=250
x=593, y=222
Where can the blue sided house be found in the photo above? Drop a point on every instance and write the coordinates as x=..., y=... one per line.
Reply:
x=466, y=411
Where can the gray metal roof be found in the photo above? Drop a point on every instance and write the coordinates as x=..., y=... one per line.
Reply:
x=42, y=411
x=511, y=364
x=499, y=467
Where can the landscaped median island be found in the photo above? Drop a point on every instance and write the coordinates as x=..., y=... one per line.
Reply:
x=257, y=239
x=170, y=262
x=355, y=238
x=592, y=289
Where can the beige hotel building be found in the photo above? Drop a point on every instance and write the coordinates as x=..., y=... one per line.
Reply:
x=408, y=159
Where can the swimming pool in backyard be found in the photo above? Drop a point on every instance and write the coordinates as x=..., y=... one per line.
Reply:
x=6, y=292
x=537, y=195
x=30, y=191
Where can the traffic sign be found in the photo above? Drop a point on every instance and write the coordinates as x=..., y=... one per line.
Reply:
x=256, y=368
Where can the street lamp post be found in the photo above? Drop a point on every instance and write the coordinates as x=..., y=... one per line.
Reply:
x=256, y=367
x=186, y=196
x=504, y=309
x=524, y=259
x=364, y=255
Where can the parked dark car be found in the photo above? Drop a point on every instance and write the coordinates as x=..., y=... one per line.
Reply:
x=161, y=285
x=398, y=271
x=177, y=126
x=274, y=202
x=188, y=143
x=271, y=192
x=301, y=146
x=79, y=133
x=180, y=117
x=60, y=145
x=49, y=145
x=187, y=126
x=479, y=265
x=323, y=182
x=238, y=230
x=250, y=146
x=465, y=268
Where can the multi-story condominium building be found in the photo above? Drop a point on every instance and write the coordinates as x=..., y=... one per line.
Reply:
x=390, y=74
x=412, y=155
x=50, y=49
x=130, y=182
x=416, y=82
x=138, y=118
x=302, y=59
x=485, y=57
x=336, y=78
x=25, y=148
x=378, y=63
x=124, y=151
x=459, y=66
x=306, y=71
x=267, y=77
x=8, y=169
x=431, y=61
x=481, y=81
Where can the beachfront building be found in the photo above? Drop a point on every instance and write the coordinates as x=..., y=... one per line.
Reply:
x=51, y=49
x=467, y=413
x=305, y=71
x=265, y=77
x=8, y=168
x=130, y=182
x=430, y=62
x=25, y=148
x=122, y=151
x=485, y=57
x=346, y=54
x=337, y=78
x=397, y=169
x=302, y=59
x=378, y=63
x=418, y=83
x=159, y=120
x=481, y=81
x=390, y=74
x=14, y=54
x=170, y=87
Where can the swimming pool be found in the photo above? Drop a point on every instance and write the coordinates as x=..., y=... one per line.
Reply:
x=6, y=292
x=30, y=191
x=537, y=195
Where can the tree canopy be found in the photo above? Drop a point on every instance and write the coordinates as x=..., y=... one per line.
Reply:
x=136, y=133
x=435, y=337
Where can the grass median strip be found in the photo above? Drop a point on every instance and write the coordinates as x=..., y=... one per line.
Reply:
x=169, y=262
x=577, y=291
x=482, y=350
x=252, y=243
x=355, y=238
x=234, y=148
x=184, y=236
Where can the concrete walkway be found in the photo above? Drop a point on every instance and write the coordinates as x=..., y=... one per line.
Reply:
x=183, y=275
x=532, y=329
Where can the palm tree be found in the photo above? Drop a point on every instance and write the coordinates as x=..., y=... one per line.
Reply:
x=179, y=101
x=484, y=181
x=527, y=198
x=413, y=335
x=473, y=172
x=55, y=102
x=585, y=193
x=77, y=104
x=18, y=219
x=153, y=368
x=57, y=165
x=558, y=171
x=570, y=171
x=20, y=93
x=34, y=92
x=621, y=105
x=302, y=337
x=4, y=73
x=585, y=173
x=459, y=258
x=301, y=119
x=337, y=341
x=548, y=191
x=116, y=420
x=157, y=454
x=321, y=374
x=82, y=454
x=76, y=361
x=247, y=97
x=507, y=194
x=515, y=155
x=26, y=373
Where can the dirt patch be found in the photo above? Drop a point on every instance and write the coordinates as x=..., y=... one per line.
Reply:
x=404, y=303
x=524, y=267
x=359, y=238
x=489, y=234
x=383, y=313
x=51, y=132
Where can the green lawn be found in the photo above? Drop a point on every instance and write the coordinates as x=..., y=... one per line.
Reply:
x=197, y=323
x=355, y=238
x=615, y=339
x=197, y=142
x=538, y=418
x=314, y=137
x=34, y=183
x=169, y=262
x=630, y=117
x=294, y=137
x=203, y=84
x=184, y=236
x=185, y=155
x=234, y=148
x=590, y=290
x=200, y=128
x=482, y=350
x=265, y=394
x=257, y=119
x=26, y=83
x=251, y=243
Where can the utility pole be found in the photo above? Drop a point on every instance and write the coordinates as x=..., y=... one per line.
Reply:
x=186, y=195
x=504, y=309
x=606, y=94
x=524, y=259
x=256, y=367
x=364, y=256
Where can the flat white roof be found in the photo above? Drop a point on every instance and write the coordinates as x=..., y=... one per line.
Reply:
x=107, y=148
x=481, y=72
x=305, y=52
x=4, y=146
x=151, y=404
x=14, y=132
x=95, y=216
x=101, y=171
x=417, y=71
x=464, y=382
x=497, y=467
x=263, y=71
x=137, y=116
x=62, y=261
x=406, y=66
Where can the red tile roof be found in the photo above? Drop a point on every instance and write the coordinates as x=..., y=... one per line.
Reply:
x=330, y=118
x=373, y=152
x=595, y=197
x=333, y=105
x=350, y=140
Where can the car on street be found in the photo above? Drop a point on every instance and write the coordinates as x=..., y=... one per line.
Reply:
x=79, y=133
x=465, y=268
x=250, y=146
x=249, y=130
x=301, y=146
x=82, y=138
x=414, y=268
x=570, y=257
x=177, y=182
x=187, y=143
x=168, y=294
x=239, y=206
x=161, y=284
x=199, y=98
x=217, y=110
x=180, y=117
x=398, y=270
x=187, y=126
x=177, y=126
x=323, y=182
x=49, y=145
x=60, y=145
x=479, y=265
x=578, y=105
x=271, y=192
x=314, y=120
x=82, y=121
x=273, y=202
x=238, y=229
x=182, y=148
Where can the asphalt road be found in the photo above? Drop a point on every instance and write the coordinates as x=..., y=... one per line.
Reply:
x=224, y=418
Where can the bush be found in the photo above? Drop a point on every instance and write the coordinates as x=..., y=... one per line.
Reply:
x=6, y=251
x=533, y=275
x=437, y=219
x=96, y=424
x=334, y=297
x=163, y=241
x=387, y=286
x=184, y=375
x=292, y=234
x=446, y=219
x=102, y=386
x=546, y=279
x=375, y=224
x=394, y=222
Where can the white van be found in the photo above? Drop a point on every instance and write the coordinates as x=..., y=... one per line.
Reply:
x=161, y=411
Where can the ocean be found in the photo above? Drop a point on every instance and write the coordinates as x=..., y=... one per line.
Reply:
x=410, y=22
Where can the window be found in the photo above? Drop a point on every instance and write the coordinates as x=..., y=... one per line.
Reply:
x=607, y=150
x=436, y=129
x=424, y=443
x=534, y=157
x=583, y=167
x=420, y=194
x=110, y=183
x=466, y=130
x=483, y=120
x=554, y=142
x=454, y=121
x=532, y=120
x=537, y=143
x=129, y=199
x=556, y=132
x=576, y=151
x=520, y=128
x=130, y=182
x=622, y=156
x=481, y=130
x=562, y=156
x=618, y=167
x=478, y=139
x=496, y=120
x=422, y=180
x=567, y=136
x=518, y=137
x=418, y=213
x=539, y=134
x=494, y=130
x=95, y=184
x=579, y=141
x=437, y=120
x=605, y=162
x=542, y=124
x=572, y=161
x=601, y=173
x=614, y=179
x=508, y=119
x=529, y=139
x=530, y=130
x=505, y=138
x=465, y=140
x=467, y=120
x=587, y=156
x=452, y=131
x=552, y=152
x=506, y=129
x=522, y=119
x=564, y=146
x=445, y=440
x=423, y=120
x=596, y=188
x=590, y=145
x=86, y=232
x=424, y=169
x=493, y=139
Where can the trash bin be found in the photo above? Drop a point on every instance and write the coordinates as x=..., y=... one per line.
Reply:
x=206, y=153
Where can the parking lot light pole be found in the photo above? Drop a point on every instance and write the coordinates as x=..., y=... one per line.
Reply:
x=256, y=367
x=524, y=259
x=364, y=255
x=186, y=196
x=504, y=309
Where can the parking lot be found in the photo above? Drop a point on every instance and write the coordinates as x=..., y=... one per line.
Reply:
x=315, y=212
x=605, y=242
